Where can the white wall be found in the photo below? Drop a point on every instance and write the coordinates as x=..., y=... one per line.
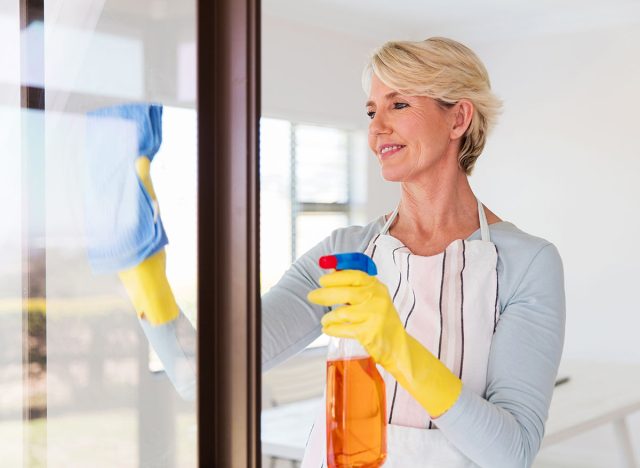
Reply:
x=562, y=164
x=310, y=74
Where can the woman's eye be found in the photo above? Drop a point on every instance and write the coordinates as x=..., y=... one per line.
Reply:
x=396, y=105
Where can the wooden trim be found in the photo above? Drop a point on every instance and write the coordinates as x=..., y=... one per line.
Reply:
x=228, y=236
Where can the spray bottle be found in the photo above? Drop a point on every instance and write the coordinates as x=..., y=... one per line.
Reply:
x=356, y=399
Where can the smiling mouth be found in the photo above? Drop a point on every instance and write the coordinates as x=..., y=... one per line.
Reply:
x=391, y=150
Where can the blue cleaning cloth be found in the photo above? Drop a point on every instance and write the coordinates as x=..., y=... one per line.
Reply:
x=148, y=121
x=119, y=213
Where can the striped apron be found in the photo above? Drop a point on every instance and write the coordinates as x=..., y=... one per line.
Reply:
x=449, y=303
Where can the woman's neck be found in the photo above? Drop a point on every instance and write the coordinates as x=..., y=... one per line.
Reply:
x=437, y=207
x=434, y=214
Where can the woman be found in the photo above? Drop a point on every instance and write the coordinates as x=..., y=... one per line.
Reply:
x=467, y=313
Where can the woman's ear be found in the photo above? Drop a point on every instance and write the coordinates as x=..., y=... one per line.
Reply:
x=462, y=114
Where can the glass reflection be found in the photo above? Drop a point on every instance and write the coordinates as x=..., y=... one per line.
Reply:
x=79, y=385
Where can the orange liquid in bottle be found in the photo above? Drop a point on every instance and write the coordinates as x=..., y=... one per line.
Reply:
x=356, y=414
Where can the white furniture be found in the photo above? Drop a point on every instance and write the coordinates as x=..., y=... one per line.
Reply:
x=596, y=394
x=286, y=428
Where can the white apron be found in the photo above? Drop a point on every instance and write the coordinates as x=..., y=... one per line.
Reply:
x=449, y=303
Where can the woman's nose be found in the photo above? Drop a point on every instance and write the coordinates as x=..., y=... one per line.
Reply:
x=379, y=124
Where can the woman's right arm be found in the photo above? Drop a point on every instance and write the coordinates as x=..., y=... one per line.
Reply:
x=289, y=324
x=289, y=321
x=175, y=344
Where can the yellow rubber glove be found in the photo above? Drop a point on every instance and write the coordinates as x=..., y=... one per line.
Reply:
x=146, y=283
x=371, y=318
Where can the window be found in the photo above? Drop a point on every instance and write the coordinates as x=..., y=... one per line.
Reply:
x=74, y=368
x=310, y=178
x=320, y=193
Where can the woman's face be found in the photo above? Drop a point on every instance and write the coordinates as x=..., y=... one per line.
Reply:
x=408, y=134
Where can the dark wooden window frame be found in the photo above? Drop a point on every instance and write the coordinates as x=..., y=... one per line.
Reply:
x=228, y=234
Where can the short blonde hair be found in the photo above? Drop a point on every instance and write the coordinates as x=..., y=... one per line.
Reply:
x=447, y=71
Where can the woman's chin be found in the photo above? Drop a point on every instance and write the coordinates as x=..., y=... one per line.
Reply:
x=391, y=175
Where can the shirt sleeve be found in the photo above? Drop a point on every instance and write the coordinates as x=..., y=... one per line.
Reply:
x=289, y=324
x=175, y=345
x=506, y=427
x=289, y=321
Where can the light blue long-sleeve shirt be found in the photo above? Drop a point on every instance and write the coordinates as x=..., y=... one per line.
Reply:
x=502, y=429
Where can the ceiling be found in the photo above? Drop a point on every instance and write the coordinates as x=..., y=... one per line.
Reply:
x=376, y=20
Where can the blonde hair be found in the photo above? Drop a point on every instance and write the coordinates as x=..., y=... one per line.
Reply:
x=446, y=71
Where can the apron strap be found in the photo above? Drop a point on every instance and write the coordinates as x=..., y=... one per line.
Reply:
x=389, y=222
x=484, y=226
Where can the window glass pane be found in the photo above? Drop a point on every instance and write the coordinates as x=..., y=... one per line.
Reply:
x=104, y=406
x=11, y=368
x=176, y=165
x=322, y=165
x=275, y=200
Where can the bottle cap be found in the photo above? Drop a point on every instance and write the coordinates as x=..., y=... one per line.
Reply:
x=349, y=261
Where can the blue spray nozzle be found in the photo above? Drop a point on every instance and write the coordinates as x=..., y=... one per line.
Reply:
x=349, y=261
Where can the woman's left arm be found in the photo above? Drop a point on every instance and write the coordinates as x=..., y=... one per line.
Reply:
x=505, y=429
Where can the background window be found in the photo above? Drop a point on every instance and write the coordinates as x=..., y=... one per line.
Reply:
x=306, y=192
x=307, y=182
